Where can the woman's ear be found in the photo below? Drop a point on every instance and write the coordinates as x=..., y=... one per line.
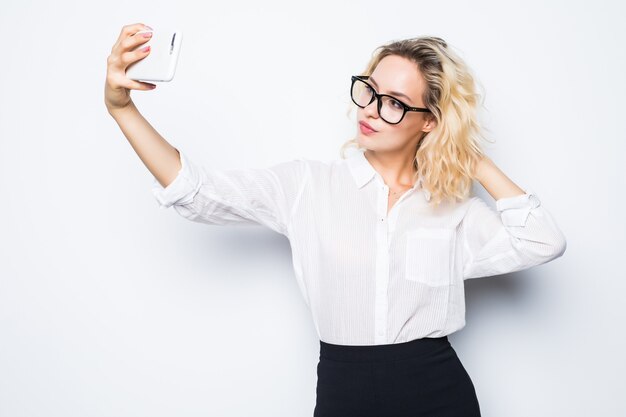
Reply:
x=430, y=122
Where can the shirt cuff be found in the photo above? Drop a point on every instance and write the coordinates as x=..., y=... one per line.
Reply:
x=514, y=210
x=184, y=187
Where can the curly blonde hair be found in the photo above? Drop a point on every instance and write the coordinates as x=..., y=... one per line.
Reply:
x=445, y=157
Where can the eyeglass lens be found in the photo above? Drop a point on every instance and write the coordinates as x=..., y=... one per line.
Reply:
x=391, y=110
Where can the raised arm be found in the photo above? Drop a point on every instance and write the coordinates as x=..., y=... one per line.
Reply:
x=264, y=196
x=519, y=234
x=161, y=158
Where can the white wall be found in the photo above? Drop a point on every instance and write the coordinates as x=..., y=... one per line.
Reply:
x=112, y=307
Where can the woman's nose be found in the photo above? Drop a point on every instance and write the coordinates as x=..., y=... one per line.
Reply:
x=372, y=108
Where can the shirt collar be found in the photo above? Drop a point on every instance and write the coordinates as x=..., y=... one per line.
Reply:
x=362, y=171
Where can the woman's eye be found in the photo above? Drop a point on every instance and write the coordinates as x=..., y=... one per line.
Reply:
x=396, y=104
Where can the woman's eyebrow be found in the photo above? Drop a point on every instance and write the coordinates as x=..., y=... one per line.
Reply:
x=396, y=93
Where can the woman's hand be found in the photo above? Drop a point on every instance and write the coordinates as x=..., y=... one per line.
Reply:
x=118, y=85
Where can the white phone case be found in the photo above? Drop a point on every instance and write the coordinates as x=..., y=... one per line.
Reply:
x=160, y=63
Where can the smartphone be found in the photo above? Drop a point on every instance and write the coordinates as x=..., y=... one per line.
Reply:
x=160, y=63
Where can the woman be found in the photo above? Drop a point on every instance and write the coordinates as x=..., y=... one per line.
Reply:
x=382, y=240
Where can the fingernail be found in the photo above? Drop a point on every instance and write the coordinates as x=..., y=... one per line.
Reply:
x=145, y=48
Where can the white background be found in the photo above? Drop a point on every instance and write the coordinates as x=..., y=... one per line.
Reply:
x=110, y=306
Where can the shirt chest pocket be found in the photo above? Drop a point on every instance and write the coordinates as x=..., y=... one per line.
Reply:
x=429, y=255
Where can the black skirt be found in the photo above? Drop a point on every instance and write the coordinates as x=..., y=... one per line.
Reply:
x=423, y=377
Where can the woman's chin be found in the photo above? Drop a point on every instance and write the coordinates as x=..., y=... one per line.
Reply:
x=366, y=141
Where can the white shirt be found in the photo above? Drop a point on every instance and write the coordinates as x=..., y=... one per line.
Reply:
x=369, y=277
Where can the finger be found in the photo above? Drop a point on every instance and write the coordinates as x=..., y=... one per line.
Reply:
x=128, y=58
x=137, y=85
x=129, y=30
x=133, y=41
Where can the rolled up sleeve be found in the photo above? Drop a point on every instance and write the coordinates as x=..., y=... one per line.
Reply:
x=258, y=196
x=519, y=234
x=184, y=187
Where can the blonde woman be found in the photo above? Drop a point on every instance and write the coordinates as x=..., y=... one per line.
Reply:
x=382, y=239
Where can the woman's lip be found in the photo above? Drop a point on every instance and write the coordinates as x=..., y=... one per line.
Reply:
x=368, y=127
x=365, y=130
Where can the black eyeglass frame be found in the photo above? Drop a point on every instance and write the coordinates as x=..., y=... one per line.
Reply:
x=377, y=96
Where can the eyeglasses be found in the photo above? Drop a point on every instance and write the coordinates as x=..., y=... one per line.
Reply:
x=390, y=109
